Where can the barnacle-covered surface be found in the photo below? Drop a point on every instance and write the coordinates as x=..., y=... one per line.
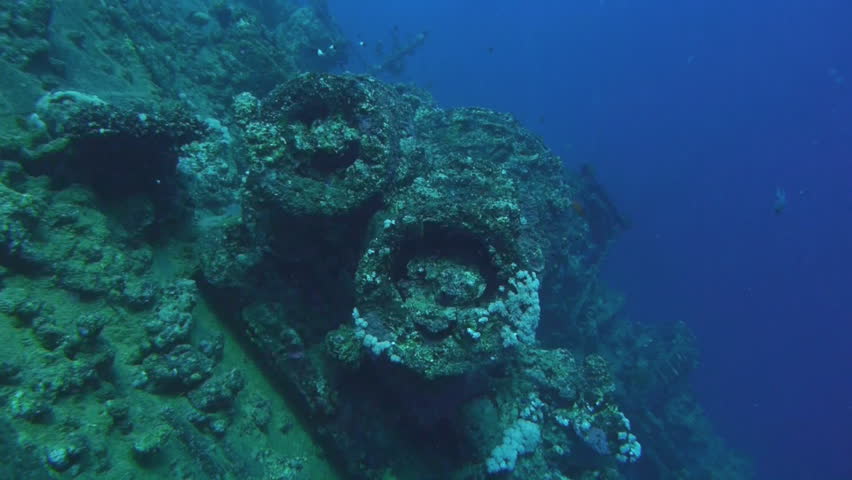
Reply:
x=218, y=265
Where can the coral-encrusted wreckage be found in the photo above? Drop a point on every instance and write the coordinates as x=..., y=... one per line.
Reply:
x=417, y=288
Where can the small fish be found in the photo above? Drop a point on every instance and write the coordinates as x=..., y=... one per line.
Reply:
x=780, y=201
x=298, y=355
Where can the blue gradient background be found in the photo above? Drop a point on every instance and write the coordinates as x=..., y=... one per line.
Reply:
x=692, y=113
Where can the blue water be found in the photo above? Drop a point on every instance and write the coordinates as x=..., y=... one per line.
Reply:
x=693, y=113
